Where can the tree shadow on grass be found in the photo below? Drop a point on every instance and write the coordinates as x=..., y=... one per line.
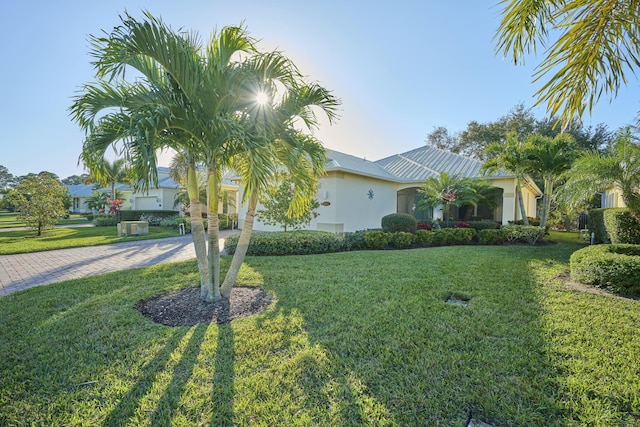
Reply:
x=182, y=371
x=223, y=376
x=126, y=408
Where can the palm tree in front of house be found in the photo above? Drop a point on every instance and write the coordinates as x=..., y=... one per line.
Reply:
x=549, y=158
x=511, y=157
x=297, y=153
x=447, y=190
x=595, y=172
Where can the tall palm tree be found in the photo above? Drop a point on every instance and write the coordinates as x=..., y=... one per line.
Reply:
x=596, y=172
x=188, y=99
x=447, y=190
x=549, y=157
x=300, y=154
x=512, y=157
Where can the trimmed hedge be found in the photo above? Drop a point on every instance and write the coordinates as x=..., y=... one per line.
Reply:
x=614, y=225
x=395, y=222
x=614, y=267
x=529, y=234
x=134, y=215
x=492, y=237
x=300, y=242
x=104, y=220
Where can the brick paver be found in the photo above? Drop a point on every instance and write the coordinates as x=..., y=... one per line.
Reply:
x=23, y=271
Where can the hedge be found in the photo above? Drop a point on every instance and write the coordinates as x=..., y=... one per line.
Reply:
x=615, y=267
x=300, y=242
x=395, y=222
x=134, y=215
x=529, y=234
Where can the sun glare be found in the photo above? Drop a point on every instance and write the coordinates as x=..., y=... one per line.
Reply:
x=262, y=98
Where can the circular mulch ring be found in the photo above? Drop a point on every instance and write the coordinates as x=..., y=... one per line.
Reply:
x=185, y=308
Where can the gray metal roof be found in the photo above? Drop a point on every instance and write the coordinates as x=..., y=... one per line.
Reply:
x=413, y=166
x=348, y=163
x=428, y=161
x=80, y=190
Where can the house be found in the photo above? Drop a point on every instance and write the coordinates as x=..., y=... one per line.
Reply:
x=160, y=197
x=356, y=193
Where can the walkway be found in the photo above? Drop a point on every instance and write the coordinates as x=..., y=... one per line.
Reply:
x=24, y=271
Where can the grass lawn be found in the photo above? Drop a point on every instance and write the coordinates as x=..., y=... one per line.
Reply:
x=15, y=242
x=354, y=339
x=11, y=220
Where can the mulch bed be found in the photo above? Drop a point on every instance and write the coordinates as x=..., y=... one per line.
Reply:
x=185, y=308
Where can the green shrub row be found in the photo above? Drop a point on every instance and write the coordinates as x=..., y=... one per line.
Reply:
x=305, y=242
x=135, y=215
x=301, y=242
x=614, y=225
x=478, y=225
x=615, y=267
x=224, y=222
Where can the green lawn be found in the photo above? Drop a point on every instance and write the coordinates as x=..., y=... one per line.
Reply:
x=11, y=220
x=358, y=338
x=14, y=242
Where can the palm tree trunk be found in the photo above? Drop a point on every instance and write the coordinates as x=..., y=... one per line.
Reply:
x=546, y=202
x=523, y=213
x=213, y=280
x=197, y=229
x=242, y=247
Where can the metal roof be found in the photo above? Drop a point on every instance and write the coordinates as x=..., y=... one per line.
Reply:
x=428, y=161
x=348, y=163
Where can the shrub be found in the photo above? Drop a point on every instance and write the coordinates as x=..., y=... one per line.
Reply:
x=462, y=224
x=423, y=238
x=104, y=220
x=135, y=215
x=376, y=239
x=170, y=221
x=424, y=226
x=484, y=225
x=90, y=217
x=300, y=242
x=401, y=240
x=492, y=236
x=532, y=222
x=354, y=241
x=614, y=267
x=399, y=222
x=523, y=234
x=453, y=236
x=596, y=226
x=621, y=226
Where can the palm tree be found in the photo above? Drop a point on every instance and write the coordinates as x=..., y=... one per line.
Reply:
x=447, y=190
x=589, y=46
x=111, y=173
x=296, y=152
x=511, y=157
x=184, y=100
x=549, y=157
x=596, y=172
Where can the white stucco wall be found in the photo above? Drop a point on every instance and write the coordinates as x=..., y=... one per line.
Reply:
x=349, y=206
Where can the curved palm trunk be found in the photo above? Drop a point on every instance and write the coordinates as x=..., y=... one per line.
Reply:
x=241, y=249
x=213, y=280
x=523, y=213
x=197, y=229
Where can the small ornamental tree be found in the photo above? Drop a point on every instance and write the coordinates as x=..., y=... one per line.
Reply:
x=40, y=201
x=277, y=208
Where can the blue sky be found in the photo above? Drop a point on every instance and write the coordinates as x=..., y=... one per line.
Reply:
x=400, y=68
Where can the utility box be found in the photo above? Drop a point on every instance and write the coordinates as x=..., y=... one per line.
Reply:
x=133, y=228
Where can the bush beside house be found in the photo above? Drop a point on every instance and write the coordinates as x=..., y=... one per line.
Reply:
x=615, y=267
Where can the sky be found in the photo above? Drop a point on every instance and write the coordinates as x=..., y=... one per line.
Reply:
x=400, y=68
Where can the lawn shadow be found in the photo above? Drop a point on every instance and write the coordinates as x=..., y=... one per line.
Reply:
x=224, y=376
x=399, y=354
x=126, y=408
x=182, y=371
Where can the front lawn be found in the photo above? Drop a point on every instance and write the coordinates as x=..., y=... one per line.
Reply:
x=15, y=242
x=355, y=338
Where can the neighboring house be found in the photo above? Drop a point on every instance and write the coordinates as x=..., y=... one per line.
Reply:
x=612, y=198
x=161, y=197
x=356, y=193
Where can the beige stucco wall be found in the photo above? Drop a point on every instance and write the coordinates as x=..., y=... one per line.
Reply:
x=612, y=198
x=349, y=206
x=510, y=208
